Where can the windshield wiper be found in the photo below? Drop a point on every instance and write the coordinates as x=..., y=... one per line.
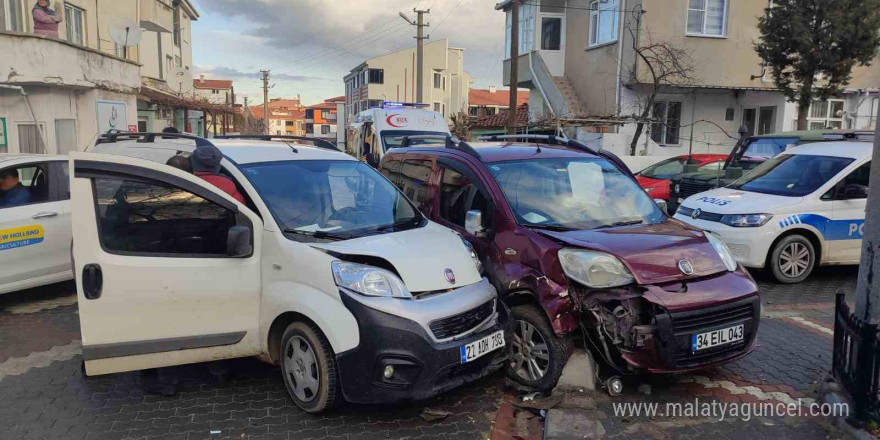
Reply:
x=622, y=223
x=317, y=234
x=392, y=227
x=556, y=228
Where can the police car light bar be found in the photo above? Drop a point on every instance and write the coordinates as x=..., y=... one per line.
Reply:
x=396, y=104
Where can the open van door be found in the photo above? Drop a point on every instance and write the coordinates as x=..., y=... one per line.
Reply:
x=167, y=266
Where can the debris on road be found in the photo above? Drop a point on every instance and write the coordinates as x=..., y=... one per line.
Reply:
x=433, y=415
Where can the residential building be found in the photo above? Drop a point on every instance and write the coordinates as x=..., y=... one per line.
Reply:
x=488, y=102
x=392, y=77
x=220, y=92
x=58, y=94
x=497, y=123
x=577, y=58
x=322, y=119
x=286, y=116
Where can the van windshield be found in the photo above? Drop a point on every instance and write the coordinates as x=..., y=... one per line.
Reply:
x=394, y=138
x=794, y=175
x=760, y=149
x=573, y=193
x=331, y=199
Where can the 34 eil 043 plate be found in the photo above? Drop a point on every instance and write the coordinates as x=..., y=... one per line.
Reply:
x=715, y=338
x=482, y=346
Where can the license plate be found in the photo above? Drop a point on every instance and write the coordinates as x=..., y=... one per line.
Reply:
x=715, y=338
x=482, y=346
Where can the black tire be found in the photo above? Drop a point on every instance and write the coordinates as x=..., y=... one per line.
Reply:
x=313, y=398
x=780, y=262
x=558, y=349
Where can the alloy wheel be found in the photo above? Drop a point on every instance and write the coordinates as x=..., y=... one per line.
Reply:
x=794, y=260
x=301, y=367
x=530, y=356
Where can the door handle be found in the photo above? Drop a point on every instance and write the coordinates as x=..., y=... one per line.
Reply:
x=44, y=215
x=92, y=281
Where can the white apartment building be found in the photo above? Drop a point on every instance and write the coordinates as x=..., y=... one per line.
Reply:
x=58, y=94
x=215, y=91
x=392, y=77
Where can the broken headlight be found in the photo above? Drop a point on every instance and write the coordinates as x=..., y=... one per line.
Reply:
x=594, y=269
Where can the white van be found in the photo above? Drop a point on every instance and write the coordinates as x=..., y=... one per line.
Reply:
x=380, y=129
x=326, y=270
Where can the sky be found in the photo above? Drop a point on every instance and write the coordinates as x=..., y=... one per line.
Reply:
x=310, y=45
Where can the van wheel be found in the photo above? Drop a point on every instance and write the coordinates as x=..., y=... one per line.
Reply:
x=537, y=355
x=308, y=366
x=792, y=259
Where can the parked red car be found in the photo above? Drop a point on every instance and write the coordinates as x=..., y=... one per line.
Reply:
x=575, y=248
x=656, y=178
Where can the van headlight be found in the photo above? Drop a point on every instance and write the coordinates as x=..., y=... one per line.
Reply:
x=723, y=251
x=746, y=220
x=368, y=280
x=474, y=256
x=594, y=269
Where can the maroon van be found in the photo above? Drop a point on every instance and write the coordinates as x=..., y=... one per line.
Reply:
x=577, y=249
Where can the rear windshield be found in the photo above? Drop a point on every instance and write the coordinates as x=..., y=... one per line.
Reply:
x=793, y=175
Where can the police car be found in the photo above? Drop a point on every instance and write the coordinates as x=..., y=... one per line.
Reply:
x=35, y=229
x=802, y=208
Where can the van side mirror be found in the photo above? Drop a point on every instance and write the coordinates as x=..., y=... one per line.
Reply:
x=473, y=223
x=662, y=205
x=733, y=172
x=238, y=242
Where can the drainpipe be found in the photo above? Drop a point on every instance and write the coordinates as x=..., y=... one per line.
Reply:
x=33, y=115
x=620, y=56
x=538, y=83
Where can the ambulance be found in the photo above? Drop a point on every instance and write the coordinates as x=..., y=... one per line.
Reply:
x=802, y=208
x=379, y=129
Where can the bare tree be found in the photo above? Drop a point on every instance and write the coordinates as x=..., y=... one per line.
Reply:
x=666, y=65
x=461, y=125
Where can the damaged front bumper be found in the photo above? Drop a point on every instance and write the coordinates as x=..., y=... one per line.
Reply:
x=651, y=328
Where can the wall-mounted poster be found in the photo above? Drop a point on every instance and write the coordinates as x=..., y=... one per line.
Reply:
x=4, y=143
x=112, y=115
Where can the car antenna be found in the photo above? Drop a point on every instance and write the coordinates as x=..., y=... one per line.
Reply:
x=292, y=147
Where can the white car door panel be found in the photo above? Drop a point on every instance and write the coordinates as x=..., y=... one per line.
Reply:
x=155, y=285
x=845, y=245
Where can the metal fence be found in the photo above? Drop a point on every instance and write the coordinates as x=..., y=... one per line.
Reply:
x=856, y=360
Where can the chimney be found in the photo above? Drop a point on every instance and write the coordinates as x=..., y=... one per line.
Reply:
x=493, y=89
x=202, y=77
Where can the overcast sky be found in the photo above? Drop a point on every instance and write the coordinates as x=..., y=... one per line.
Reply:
x=309, y=45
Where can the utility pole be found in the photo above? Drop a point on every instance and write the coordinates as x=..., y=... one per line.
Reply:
x=514, y=66
x=265, y=101
x=420, y=25
x=868, y=288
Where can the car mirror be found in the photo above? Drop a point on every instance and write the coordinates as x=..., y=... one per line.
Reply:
x=662, y=205
x=855, y=191
x=238, y=242
x=473, y=223
x=733, y=172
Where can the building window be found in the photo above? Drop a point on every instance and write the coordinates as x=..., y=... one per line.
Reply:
x=667, y=115
x=325, y=129
x=4, y=141
x=177, y=62
x=526, y=29
x=75, y=24
x=707, y=17
x=374, y=103
x=824, y=114
x=30, y=139
x=176, y=31
x=325, y=114
x=438, y=80
x=377, y=76
x=604, y=20
x=438, y=106
x=10, y=15
x=288, y=123
x=65, y=135
x=551, y=33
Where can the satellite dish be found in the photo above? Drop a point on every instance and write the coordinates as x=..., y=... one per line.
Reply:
x=126, y=33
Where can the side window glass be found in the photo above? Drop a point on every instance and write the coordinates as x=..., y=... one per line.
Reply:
x=458, y=195
x=24, y=185
x=391, y=170
x=415, y=174
x=855, y=185
x=156, y=219
x=712, y=166
x=63, y=180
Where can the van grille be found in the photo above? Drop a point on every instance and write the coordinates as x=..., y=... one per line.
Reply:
x=686, y=324
x=687, y=189
x=707, y=216
x=463, y=322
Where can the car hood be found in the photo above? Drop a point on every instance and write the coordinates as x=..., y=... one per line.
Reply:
x=421, y=256
x=734, y=201
x=649, y=182
x=650, y=252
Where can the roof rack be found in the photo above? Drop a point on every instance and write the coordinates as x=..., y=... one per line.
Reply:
x=320, y=143
x=850, y=135
x=450, y=142
x=571, y=143
x=144, y=137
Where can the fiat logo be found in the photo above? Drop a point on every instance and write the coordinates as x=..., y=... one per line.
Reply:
x=696, y=214
x=686, y=267
x=450, y=276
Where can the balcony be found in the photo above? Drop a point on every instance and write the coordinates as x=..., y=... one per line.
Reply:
x=157, y=16
x=37, y=60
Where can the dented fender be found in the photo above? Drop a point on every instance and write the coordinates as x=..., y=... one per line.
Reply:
x=553, y=297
